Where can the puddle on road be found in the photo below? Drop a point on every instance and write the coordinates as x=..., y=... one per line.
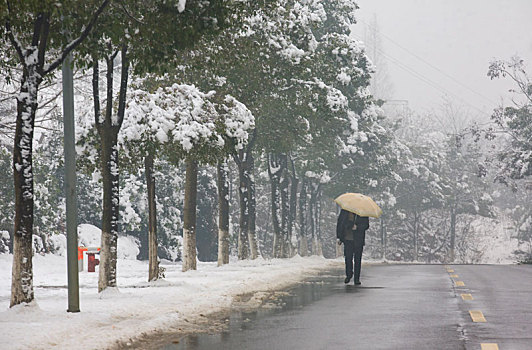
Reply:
x=212, y=331
x=248, y=308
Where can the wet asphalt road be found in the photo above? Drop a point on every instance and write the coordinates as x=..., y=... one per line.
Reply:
x=397, y=307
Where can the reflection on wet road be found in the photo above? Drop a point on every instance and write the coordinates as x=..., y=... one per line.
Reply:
x=276, y=305
x=383, y=313
x=397, y=307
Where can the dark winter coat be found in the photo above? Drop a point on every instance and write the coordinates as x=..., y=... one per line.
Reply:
x=346, y=220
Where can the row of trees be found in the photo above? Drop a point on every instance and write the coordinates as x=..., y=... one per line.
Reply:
x=225, y=91
x=278, y=45
x=101, y=31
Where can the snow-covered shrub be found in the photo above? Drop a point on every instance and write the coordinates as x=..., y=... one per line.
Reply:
x=57, y=244
x=5, y=241
x=128, y=247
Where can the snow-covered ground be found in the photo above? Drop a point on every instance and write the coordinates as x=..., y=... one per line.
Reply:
x=490, y=241
x=137, y=306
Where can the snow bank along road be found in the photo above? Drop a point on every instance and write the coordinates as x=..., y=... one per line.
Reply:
x=484, y=307
x=136, y=307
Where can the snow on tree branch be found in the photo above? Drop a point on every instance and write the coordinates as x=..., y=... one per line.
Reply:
x=184, y=115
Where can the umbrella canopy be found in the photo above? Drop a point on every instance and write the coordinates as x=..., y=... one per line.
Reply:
x=359, y=204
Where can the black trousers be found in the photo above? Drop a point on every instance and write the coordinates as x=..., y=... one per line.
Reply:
x=352, y=252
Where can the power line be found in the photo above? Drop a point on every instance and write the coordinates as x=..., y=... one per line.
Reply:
x=430, y=64
x=424, y=79
x=430, y=82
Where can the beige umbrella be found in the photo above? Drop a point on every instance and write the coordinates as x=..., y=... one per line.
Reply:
x=359, y=204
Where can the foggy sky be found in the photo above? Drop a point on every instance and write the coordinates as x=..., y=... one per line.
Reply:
x=460, y=37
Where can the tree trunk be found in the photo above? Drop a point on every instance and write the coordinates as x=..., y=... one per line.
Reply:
x=206, y=212
x=243, y=234
x=453, y=233
x=223, y=214
x=110, y=209
x=108, y=129
x=274, y=172
x=383, y=238
x=318, y=221
x=315, y=213
x=107, y=274
x=303, y=241
x=189, y=215
x=246, y=191
x=22, y=268
x=415, y=236
x=294, y=182
x=312, y=222
x=153, y=270
x=252, y=235
x=285, y=207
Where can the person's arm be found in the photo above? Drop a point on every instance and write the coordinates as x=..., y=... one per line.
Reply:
x=362, y=223
x=340, y=225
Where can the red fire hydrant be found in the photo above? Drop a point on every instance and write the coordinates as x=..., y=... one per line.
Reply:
x=92, y=261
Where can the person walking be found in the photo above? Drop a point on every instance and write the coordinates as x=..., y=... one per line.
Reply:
x=351, y=231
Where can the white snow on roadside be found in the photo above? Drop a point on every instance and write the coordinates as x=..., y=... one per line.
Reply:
x=494, y=239
x=137, y=306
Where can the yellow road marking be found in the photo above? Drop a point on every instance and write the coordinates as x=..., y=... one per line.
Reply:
x=450, y=270
x=489, y=346
x=454, y=276
x=466, y=296
x=477, y=316
x=459, y=284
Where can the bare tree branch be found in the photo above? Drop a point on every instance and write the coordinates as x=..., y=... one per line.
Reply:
x=44, y=31
x=77, y=41
x=123, y=85
x=129, y=14
x=14, y=41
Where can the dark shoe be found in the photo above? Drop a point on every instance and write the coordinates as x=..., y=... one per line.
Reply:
x=357, y=282
x=347, y=279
